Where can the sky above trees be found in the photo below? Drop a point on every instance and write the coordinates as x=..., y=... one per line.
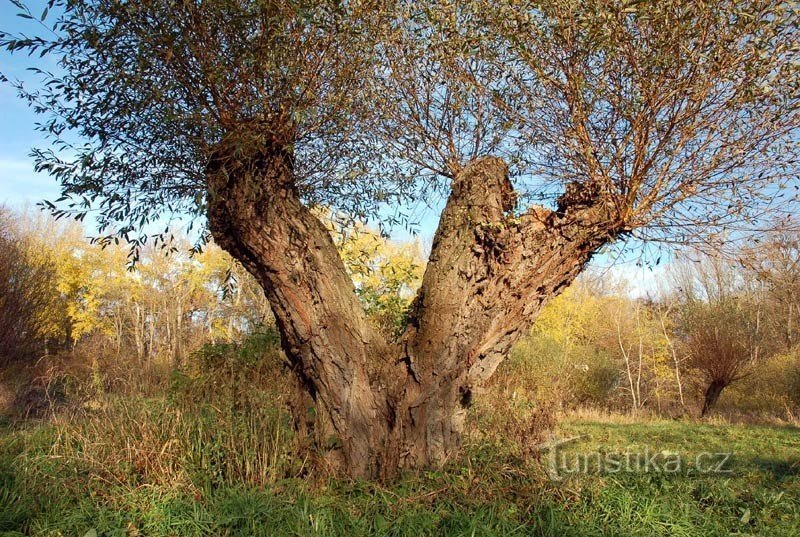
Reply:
x=19, y=185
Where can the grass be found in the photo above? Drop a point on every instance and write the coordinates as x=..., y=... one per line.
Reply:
x=490, y=491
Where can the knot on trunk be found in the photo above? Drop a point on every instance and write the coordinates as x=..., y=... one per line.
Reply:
x=588, y=207
x=246, y=173
x=483, y=188
x=493, y=240
x=258, y=159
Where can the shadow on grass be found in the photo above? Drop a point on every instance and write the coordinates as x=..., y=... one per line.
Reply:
x=778, y=470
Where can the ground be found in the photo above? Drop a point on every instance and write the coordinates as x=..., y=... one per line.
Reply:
x=490, y=491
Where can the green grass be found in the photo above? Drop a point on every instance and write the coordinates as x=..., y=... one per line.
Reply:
x=488, y=492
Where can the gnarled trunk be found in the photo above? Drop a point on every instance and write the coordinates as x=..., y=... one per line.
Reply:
x=401, y=404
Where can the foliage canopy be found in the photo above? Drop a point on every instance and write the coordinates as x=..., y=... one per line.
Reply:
x=683, y=114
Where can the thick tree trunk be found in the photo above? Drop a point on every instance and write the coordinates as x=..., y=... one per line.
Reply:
x=255, y=214
x=401, y=404
x=711, y=396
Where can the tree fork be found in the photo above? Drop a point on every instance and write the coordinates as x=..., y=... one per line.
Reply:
x=489, y=274
x=401, y=404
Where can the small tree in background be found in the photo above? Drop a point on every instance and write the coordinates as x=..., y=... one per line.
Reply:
x=723, y=343
x=722, y=326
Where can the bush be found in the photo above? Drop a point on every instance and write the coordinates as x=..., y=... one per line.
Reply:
x=541, y=368
x=597, y=379
x=772, y=389
x=27, y=293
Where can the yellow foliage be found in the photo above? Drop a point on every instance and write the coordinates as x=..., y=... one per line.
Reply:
x=385, y=274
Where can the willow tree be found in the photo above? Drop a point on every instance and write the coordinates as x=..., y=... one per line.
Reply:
x=659, y=120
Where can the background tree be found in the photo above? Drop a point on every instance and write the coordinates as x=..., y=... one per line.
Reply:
x=722, y=323
x=722, y=344
x=674, y=119
x=386, y=275
x=27, y=296
x=775, y=263
x=597, y=345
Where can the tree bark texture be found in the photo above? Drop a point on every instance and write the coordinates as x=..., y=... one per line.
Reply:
x=402, y=403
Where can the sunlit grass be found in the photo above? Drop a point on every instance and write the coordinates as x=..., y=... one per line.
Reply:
x=489, y=491
x=216, y=455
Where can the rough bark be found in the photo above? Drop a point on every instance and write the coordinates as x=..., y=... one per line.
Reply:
x=488, y=276
x=255, y=213
x=402, y=404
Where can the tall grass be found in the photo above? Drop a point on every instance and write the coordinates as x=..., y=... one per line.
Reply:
x=224, y=421
x=487, y=492
x=216, y=454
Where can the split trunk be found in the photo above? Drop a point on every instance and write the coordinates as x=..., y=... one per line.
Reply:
x=401, y=403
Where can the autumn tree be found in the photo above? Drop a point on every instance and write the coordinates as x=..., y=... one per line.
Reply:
x=775, y=262
x=28, y=296
x=722, y=326
x=722, y=341
x=385, y=274
x=662, y=120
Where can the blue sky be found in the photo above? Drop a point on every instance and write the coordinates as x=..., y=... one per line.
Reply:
x=21, y=187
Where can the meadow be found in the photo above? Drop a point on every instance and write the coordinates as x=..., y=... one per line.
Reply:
x=489, y=491
x=215, y=454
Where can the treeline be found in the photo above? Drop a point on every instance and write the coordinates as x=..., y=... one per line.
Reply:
x=72, y=307
x=720, y=325
x=722, y=334
x=61, y=293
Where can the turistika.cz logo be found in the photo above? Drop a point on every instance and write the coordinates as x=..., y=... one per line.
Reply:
x=561, y=462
